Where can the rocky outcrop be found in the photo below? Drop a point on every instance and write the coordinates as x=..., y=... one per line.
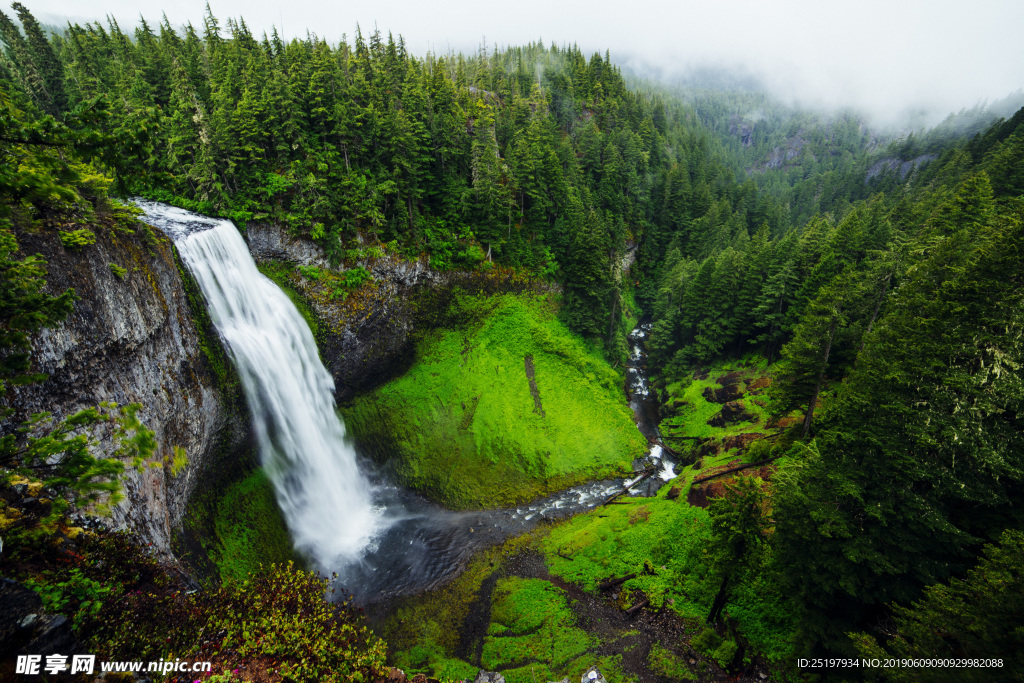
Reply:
x=366, y=336
x=25, y=628
x=725, y=394
x=133, y=339
x=741, y=441
x=732, y=412
x=897, y=167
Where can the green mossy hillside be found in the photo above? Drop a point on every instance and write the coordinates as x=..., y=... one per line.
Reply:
x=666, y=543
x=688, y=412
x=469, y=425
x=250, y=529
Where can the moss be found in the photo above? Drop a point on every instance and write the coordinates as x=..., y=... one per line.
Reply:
x=424, y=632
x=250, y=529
x=533, y=632
x=692, y=418
x=469, y=431
x=526, y=627
x=663, y=541
x=668, y=664
x=283, y=275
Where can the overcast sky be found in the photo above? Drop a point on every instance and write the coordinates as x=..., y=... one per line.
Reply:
x=885, y=56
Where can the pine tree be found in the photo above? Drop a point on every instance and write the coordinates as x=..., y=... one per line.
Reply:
x=919, y=457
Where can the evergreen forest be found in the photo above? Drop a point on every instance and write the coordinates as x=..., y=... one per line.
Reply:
x=864, y=287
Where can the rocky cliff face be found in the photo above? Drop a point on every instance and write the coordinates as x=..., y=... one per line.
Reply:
x=133, y=340
x=368, y=339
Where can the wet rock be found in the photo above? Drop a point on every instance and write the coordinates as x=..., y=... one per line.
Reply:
x=708, y=446
x=781, y=422
x=759, y=384
x=672, y=408
x=394, y=676
x=732, y=412
x=489, y=677
x=26, y=629
x=53, y=634
x=730, y=378
x=592, y=675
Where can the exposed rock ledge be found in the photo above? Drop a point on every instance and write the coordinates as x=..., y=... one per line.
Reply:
x=368, y=337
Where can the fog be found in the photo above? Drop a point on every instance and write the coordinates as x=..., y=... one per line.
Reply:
x=885, y=57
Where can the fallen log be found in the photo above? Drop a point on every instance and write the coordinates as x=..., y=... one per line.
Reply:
x=733, y=469
x=638, y=606
x=647, y=473
x=612, y=583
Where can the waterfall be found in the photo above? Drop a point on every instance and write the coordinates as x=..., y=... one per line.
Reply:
x=327, y=502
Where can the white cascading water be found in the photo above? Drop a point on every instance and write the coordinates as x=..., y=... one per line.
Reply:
x=327, y=502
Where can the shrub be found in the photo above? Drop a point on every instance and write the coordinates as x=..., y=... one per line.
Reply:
x=75, y=239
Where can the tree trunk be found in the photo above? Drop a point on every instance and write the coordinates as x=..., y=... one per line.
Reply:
x=719, y=604
x=821, y=376
x=874, y=316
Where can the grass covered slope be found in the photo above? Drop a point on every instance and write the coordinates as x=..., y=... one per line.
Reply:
x=509, y=407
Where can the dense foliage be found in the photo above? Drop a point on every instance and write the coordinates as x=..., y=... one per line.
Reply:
x=534, y=156
x=898, y=319
x=881, y=283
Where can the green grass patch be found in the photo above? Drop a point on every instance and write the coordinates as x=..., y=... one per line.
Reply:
x=471, y=431
x=423, y=631
x=533, y=632
x=533, y=635
x=250, y=529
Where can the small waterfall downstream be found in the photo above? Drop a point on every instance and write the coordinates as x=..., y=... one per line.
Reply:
x=644, y=403
x=326, y=500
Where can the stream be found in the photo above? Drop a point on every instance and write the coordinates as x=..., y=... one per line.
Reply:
x=382, y=540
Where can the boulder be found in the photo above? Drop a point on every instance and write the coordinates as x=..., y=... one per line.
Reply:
x=26, y=629
x=741, y=441
x=729, y=392
x=730, y=378
x=489, y=677
x=592, y=675
x=732, y=412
